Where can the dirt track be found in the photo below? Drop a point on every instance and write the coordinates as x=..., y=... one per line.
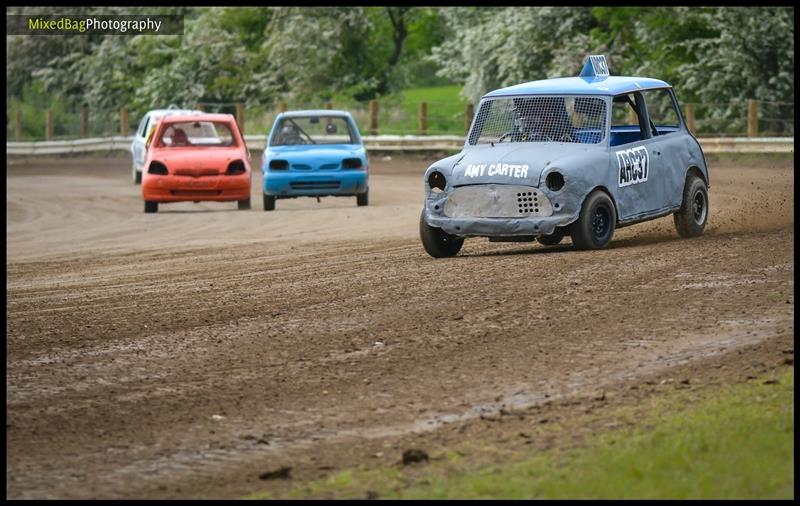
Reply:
x=179, y=354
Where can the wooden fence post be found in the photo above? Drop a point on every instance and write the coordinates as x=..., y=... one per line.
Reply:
x=18, y=126
x=632, y=117
x=469, y=112
x=423, y=118
x=198, y=106
x=752, y=118
x=84, y=122
x=123, y=122
x=48, y=130
x=281, y=107
x=373, y=117
x=690, y=118
x=328, y=105
x=240, y=116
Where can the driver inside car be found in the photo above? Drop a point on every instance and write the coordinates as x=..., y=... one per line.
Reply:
x=543, y=119
x=179, y=138
x=289, y=135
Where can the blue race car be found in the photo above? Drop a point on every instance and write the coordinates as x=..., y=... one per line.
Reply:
x=317, y=153
x=578, y=156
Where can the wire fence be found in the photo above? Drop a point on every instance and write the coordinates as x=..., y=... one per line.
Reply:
x=745, y=118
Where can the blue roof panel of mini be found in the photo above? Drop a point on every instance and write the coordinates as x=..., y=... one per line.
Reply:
x=612, y=85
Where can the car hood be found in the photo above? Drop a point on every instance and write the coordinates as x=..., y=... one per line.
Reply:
x=513, y=163
x=314, y=154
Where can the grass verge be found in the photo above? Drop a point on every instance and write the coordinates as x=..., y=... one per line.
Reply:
x=724, y=442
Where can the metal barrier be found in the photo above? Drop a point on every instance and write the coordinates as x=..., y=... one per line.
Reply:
x=410, y=143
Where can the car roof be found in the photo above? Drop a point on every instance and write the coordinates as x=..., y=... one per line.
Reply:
x=162, y=112
x=611, y=85
x=199, y=116
x=315, y=112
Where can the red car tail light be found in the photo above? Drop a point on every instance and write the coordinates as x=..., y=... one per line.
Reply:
x=157, y=168
x=236, y=167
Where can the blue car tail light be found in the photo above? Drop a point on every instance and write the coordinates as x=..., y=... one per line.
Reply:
x=278, y=165
x=351, y=163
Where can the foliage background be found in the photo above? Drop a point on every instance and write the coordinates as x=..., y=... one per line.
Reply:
x=715, y=56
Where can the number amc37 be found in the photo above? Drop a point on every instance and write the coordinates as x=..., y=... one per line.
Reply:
x=577, y=156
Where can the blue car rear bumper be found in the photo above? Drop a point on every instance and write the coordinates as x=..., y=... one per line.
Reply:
x=289, y=183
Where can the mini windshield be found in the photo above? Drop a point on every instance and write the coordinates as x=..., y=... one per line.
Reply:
x=574, y=119
x=312, y=130
x=197, y=133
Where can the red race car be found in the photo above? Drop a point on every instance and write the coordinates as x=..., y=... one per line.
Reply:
x=196, y=157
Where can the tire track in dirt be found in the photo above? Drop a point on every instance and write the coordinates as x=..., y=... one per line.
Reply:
x=278, y=337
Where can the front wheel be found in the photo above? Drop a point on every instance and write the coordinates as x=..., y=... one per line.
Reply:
x=691, y=218
x=136, y=175
x=269, y=202
x=595, y=226
x=437, y=242
x=243, y=205
x=552, y=239
x=362, y=199
x=150, y=207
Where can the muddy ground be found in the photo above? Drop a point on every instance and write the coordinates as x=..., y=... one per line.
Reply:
x=185, y=353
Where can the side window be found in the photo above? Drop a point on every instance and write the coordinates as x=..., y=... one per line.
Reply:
x=626, y=124
x=661, y=109
x=142, y=124
x=145, y=126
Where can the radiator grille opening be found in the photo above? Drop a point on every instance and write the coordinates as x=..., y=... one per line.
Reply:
x=314, y=185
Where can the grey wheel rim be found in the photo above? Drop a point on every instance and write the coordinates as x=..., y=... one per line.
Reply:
x=699, y=207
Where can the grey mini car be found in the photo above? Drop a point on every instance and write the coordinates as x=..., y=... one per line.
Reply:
x=579, y=156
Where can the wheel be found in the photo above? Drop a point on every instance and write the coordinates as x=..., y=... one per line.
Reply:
x=691, y=218
x=437, y=242
x=137, y=176
x=269, y=202
x=243, y=204
x=362, y=199
x=552, y=239
x=595, y=226
x=150, y=207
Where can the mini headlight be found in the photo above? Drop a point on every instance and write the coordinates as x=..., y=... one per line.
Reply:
x=554, y=181
x=437, y=181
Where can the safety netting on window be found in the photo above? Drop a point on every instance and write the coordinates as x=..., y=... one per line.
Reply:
x=574, y=119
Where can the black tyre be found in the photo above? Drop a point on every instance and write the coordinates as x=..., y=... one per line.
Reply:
x=136, y=175
x=269, y=202
x=437, y=242
x=150, y=207
x=362, y=199
x=691, y=218
x=552, y=239
x=595, y=226
x=243, y=204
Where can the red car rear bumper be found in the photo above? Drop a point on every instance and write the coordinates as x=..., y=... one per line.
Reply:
x=173, y=188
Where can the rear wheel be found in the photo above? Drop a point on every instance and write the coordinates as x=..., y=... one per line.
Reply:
x=437, y=242
x=690, y=220
x=269, y=202
x=243, y=204
x=552, y=239
x=136, y=175
x=150, y=206
x=362, y=199
x=595, y=226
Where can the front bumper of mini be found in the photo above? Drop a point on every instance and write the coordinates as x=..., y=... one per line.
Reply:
x=437, y=210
